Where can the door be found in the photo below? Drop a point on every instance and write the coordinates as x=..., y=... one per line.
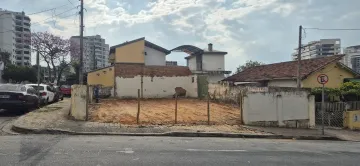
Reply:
x=51, y=93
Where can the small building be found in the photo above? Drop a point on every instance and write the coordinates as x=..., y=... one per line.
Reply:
x=208, y=61
x=138, y=51
x=284, y=74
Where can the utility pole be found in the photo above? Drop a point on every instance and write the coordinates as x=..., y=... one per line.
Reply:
x=81, y=77
x=38, y=73
x=298, y=82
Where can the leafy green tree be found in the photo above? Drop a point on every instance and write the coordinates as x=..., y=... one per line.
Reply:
x=5, y=57
x=247, y=65
x=19, y=74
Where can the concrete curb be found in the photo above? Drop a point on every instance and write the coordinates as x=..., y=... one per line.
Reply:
x=24, y=130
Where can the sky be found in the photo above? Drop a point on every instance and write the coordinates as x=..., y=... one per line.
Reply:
x=261, y=30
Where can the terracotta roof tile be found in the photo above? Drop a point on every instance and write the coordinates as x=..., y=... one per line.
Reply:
x=282, y=70
x=132, y=70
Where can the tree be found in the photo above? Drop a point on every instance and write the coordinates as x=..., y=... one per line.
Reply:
x=19, y=74
x=248, y=64
x=5, y=57
x=54, y=50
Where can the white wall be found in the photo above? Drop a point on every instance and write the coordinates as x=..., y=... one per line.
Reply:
x=282, y=83
x=280, y=107
x=213, y=62
x=215, y=78
x=154, y=57
x=192, y=63
x=156, y=87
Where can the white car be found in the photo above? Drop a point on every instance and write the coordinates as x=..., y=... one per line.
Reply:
x=46, y=92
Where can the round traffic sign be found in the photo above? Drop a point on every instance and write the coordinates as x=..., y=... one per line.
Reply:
x=322, y=79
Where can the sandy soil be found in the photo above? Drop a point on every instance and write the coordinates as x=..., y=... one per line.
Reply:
x=162, y=111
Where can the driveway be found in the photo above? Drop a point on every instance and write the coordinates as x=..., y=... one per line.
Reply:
x=7, y=117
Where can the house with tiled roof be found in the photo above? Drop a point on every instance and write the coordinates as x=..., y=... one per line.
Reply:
x=284, y=74
x=141, y=65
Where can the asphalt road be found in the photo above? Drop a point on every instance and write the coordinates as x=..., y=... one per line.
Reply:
x=7, y=116
x=120, y=150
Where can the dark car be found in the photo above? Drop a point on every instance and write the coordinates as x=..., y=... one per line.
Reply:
x=66, y=90
x=58, y=94
x=17, y=96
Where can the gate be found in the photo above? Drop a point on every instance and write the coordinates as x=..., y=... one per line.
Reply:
x=333, y=114
x=202, y=85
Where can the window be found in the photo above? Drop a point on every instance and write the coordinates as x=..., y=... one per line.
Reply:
x=48, y=88
x=192, y=79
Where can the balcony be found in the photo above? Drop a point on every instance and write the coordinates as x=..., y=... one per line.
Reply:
x=26, y=30
x=18, y=29
x=27, y=24
x=18, y=18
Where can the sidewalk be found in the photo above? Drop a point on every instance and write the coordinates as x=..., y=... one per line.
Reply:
x=340, y=134
x=53, y=119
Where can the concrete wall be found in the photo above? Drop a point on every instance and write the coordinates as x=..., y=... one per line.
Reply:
x=284, y=107
x=352, y=120
x=224, y=92
x=192, y=63
x=154, y=57
x=282, y=83
x=215, y=78
x=155, y=87
x=104, y=77
x=336, y=77
x=130, y=53
x=213, y=62
x=78, y=102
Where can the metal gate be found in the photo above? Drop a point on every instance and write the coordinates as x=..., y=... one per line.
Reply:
x=333, y=114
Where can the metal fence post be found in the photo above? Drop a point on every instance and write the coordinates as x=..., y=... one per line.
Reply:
x=176, y=108
x=138, y=112
x=208, y=108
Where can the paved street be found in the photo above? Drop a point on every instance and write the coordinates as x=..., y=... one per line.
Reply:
x=7, y=117
x=116, y=150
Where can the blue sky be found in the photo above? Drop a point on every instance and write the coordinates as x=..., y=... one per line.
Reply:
x=262, y=30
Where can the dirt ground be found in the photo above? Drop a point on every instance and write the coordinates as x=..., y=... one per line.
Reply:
x=162, y=112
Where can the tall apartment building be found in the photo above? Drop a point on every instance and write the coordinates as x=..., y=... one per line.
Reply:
x=96, y=52
x=352, y=57
x=15, y=36
x=320, y=48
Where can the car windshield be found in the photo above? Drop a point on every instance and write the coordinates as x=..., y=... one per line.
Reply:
x=38, y=87
x=9, y=87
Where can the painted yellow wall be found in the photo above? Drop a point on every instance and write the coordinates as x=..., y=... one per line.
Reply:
x=335, y=73
x=131, y=53
x=352, y=119
x=104, y=77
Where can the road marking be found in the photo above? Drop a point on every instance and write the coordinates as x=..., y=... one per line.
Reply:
x=211, y=150
x=127, y=150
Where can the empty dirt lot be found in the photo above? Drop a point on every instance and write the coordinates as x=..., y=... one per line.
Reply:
x=162, y=111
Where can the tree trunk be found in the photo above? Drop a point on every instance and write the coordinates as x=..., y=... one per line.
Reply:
x=49, y=71
x=54, y=71
x=59, y=75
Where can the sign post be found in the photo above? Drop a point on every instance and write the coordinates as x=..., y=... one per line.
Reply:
x=322, y=79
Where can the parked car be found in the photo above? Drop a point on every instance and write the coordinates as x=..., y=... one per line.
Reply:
x=17, y=96
x=58, y=94
x=66, y=90
x=46, y=91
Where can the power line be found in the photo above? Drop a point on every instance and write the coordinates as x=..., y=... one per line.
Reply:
x=335, y=29
x=53, y=16
x=71, y=3
x=42, y=11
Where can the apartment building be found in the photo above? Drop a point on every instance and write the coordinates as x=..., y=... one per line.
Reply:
x=15, y=36
x=352, y=57
x=320, y=48
x=96, y=52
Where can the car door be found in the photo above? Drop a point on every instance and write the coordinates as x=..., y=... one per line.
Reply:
x=31, y=96
x=51, y=93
